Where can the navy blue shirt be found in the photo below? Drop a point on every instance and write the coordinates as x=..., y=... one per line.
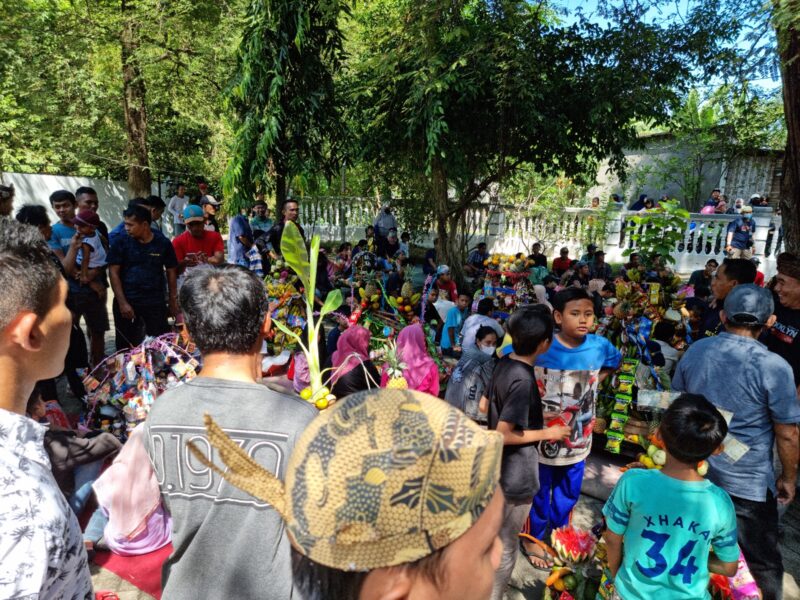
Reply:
x=142, y=267
x=743, y=230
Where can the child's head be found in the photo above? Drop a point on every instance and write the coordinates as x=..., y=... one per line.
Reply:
x=433, y=295
x=664, y=331
x=692, y=429
x=86, y=222
x=608, y=291
x=573, y=311
x=531, y=330
x=464, y=300
x=485, y=306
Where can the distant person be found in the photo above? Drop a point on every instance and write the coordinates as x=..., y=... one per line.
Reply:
x=539, y=259
x=197, y=247
x=600, y=269
x=389, y=246
x=474, y=322
x=202, y=186
x=562, y=262
x=143, y=267
x=588, y=258
x=261, y=220
x=595, y=203
x=783, y=338
x=736, y=208
x=639, y=204
x=86, y=199
x=6, y=200
x=739, y=236
x=352, y=370
x=445, y=284
x=714, y=199
x=429, y=264
x=451, y=334
x=290, y=211
x=385, y=221
x=210, y=206
x=64, y=205
x=475, y=266
x=175, y=206
x=634, y=264
x=703, y=277
x=472, y=374
x=615, y=201
x=153, y=204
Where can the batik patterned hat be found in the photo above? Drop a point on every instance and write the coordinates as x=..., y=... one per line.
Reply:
x=382, y=478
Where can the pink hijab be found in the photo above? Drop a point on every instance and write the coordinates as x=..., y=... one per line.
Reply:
x=414, y=353
x=351, y=350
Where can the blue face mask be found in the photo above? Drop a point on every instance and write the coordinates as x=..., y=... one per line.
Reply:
x=746, y=216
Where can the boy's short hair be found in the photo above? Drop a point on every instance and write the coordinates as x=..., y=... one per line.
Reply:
x=485, y=306
x=571, y=294
x=28, y=274
x=528, y=327
x=85, y=190
x=33, y=214
x=740, y=270
x=139, y=213
x=62, y=196
x=224, y=308
x=692, y=428
x=154, y=202
x=664, y=331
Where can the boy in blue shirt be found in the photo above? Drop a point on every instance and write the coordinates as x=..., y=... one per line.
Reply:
x=568, y=375
x=668, y=529
x=453, y=323
x=63, y=203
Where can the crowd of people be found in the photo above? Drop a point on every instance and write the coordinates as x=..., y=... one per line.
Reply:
x=391, y=492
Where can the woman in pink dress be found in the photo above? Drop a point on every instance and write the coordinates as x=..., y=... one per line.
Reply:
x=421, y=371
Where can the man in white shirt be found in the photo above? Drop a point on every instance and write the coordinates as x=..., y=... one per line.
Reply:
x=175, y=206
x=41, y=547
x=476, y=321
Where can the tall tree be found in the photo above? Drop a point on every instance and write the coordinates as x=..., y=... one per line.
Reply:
x=787, y=23
x=284, y=97
x=467, y=91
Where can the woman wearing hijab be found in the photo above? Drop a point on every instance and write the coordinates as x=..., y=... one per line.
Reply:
x=352, y=370
x=472, y=374
x=421, y=371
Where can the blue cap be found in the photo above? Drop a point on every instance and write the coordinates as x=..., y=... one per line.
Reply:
x=193, y=213
x=749, y=304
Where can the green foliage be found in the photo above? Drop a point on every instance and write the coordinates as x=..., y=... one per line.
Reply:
x=287, y=117
x=304, y=264
x=658, y=231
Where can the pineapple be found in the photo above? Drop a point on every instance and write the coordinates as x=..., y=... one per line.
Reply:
x=395, y=368
x=407, y=291
x=370, y=289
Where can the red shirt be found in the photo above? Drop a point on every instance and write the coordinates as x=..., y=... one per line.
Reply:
x=449, y=288
x=186, y=243
x=759, y=279
x=560, y=265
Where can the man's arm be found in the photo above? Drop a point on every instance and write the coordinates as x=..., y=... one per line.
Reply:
x=217, y=259
x=786, y=438
x=614, y=551
x=125, y=309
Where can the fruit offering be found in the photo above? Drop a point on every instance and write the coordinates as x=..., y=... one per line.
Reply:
x=573, y=545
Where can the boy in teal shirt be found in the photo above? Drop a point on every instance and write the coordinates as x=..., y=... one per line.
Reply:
x=667, y=529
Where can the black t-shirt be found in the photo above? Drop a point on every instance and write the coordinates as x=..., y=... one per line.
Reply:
x=514, y=398
x=711, y=324
x=783, y=338
x=540, y=260
x=275, y=234
x=142, y=267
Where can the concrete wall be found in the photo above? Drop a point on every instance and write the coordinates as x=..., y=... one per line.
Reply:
x=36, y=189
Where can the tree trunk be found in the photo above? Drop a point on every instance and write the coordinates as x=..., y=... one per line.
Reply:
x=139, y=177
x=789, y=47
x=448, y=226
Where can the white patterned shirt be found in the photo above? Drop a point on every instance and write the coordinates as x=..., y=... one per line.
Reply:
x=41, y=546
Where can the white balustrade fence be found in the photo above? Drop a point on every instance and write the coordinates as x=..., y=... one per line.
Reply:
x=506, y=230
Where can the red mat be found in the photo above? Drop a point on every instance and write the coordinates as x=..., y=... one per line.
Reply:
x=143, y=571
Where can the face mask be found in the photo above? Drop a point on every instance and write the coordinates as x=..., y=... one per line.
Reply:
x=746, y=216
x=488, y=349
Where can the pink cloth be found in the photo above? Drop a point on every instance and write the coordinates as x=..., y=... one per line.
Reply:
x=128, y=492
x=302, y=377
x=421, y=371
x=157, y=533
x=351, y=350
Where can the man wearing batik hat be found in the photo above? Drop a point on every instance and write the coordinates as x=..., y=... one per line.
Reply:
x=782, y=338
x=388, y=494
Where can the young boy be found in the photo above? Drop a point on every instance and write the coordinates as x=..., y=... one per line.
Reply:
x=669, y=520
x=40, y=538
x=515, y=410
x=92, y=257
x=63, y=204
x=568, y=374
x=452, y=325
